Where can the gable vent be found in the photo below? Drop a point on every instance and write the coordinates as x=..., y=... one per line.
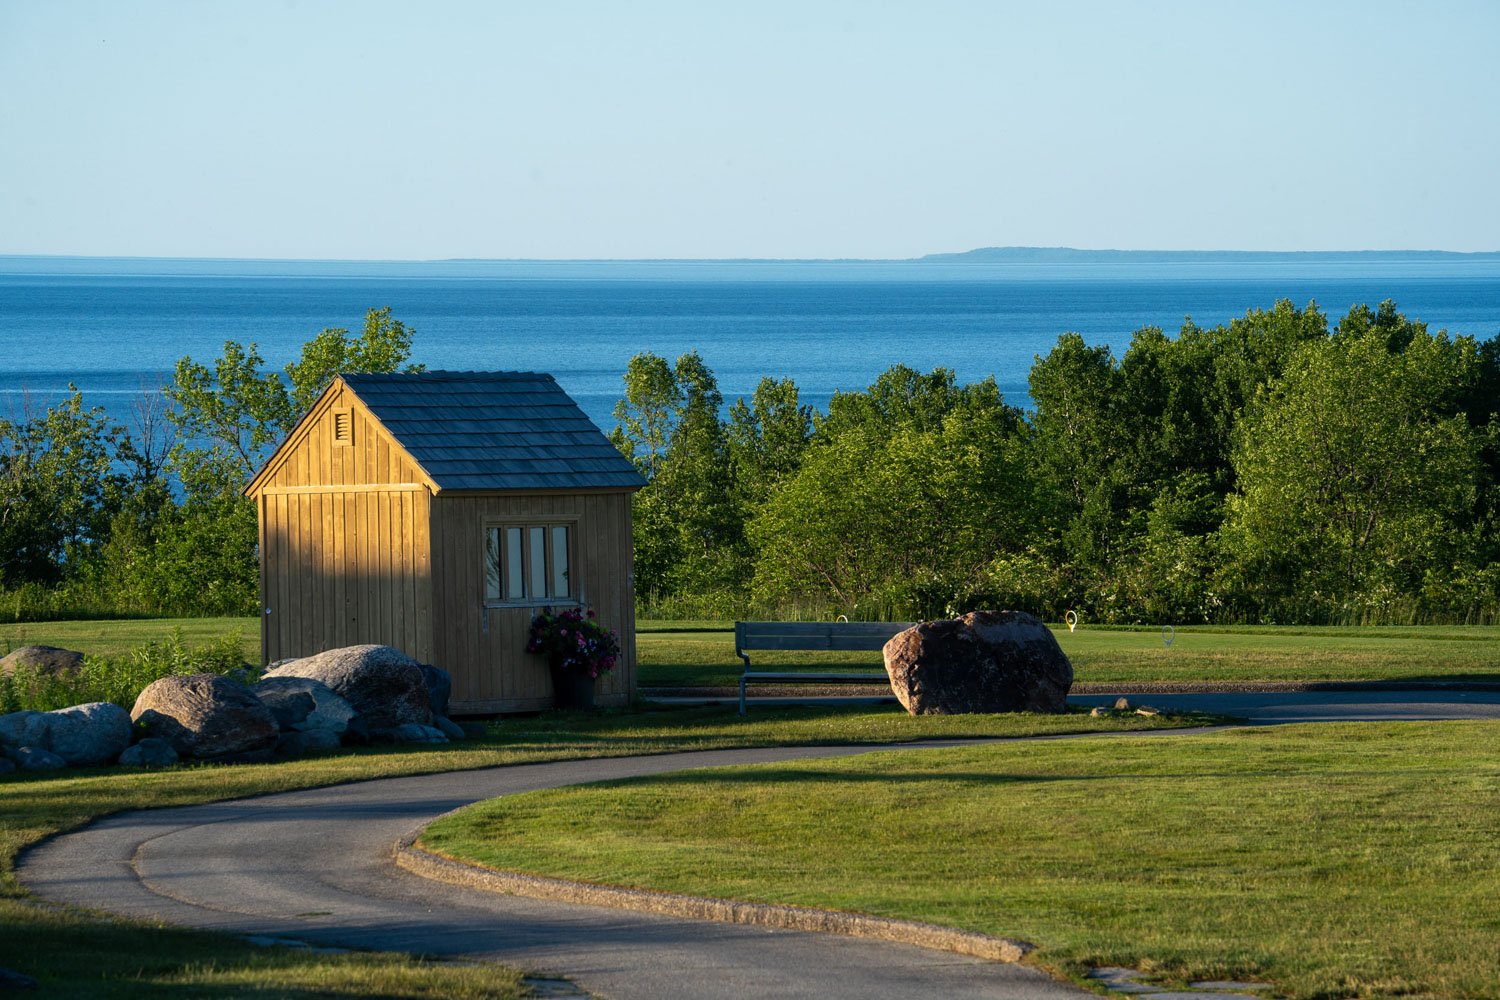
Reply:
x=343, y=427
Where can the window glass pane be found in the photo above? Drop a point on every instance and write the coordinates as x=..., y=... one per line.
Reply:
x=492, y=564
x=560, y=561
x=513, y=575
x=537, y=562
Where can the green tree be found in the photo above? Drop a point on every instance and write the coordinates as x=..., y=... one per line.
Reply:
x=902, y=501
x=766, y=438
x=59, y=489
x=1355, y=478
x=648, y=413
x=688, y=527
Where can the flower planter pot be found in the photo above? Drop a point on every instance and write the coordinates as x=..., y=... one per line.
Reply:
x=572, y=688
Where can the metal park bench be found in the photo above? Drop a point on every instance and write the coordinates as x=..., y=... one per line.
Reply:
x=816, y=636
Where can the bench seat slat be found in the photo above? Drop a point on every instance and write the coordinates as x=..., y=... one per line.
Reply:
x=766, y=675
x=815, y=643
x=821, y=628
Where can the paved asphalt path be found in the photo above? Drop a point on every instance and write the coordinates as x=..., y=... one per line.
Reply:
x=317, y=866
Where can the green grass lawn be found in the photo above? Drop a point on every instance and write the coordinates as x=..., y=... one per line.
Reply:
x=1350, y=860
x=675, y=653
x=76, y=955
x=699, y=653
x=116, y=637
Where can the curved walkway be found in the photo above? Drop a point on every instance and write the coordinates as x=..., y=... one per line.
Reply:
x=317, y=865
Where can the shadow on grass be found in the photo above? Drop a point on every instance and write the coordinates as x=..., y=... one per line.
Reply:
x=74, y=955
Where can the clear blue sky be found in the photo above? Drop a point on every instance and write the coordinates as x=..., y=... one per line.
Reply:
x=277, y=128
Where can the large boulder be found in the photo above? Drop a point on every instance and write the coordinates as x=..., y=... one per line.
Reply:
x=303, y=705
x=42, y=659
x=89, y=735
x=385, y=687
x=83, y=735
x=208, y=717
x=984, y=661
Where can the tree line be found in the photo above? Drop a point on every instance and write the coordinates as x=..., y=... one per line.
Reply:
x=1272, y=469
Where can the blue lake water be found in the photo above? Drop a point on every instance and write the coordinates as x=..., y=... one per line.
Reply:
x=113, y=327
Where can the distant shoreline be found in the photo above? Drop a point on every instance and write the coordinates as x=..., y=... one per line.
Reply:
x=986, y=256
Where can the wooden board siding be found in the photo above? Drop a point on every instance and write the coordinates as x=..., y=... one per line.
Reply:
x=335, y=573
x=310, y=460
x=484, y=648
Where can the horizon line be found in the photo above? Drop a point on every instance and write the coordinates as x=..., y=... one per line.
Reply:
x=946, y=257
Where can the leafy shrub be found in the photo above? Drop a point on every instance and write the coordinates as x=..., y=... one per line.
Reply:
x=120, y=679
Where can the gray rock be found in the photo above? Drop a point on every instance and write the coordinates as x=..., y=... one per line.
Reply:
x=34, y=758
x=384, y=686
x=412, y=732
x=42, y=659
x=83, y=735
x=24, y=728
x=208, y=717
x=6, y=764
x=450, y=729
x=439, y=686
x=984, y=661
x=1123, y=704
x=473, y=730
x=149, y=752
x=89, y=735
x=300, y=744
x=301, y=704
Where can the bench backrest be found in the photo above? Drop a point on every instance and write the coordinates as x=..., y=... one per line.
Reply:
x=830, y=636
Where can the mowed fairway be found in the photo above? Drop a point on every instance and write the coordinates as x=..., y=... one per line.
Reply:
x=702, y=653
x=1333, y=860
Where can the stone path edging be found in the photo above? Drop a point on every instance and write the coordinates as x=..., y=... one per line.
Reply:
x=798, y=918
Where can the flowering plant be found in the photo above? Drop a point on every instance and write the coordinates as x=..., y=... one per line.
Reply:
x=573, y=641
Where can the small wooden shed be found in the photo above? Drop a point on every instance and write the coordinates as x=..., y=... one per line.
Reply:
x=436, y=512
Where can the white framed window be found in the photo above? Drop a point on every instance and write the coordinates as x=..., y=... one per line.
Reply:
x=529, y=564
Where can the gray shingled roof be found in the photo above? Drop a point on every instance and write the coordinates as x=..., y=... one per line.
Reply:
x=494, y=431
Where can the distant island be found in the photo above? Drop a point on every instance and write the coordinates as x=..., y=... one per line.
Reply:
x=1069, y=255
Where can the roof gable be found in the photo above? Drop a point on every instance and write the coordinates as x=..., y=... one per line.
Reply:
x=493, y=431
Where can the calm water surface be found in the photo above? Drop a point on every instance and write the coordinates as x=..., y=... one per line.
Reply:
x=827, y=326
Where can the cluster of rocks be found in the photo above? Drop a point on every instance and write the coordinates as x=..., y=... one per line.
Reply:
x=355, y=695
x=1123, y=706
x=984, y=661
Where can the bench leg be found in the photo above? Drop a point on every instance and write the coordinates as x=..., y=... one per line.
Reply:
x=742, y=696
